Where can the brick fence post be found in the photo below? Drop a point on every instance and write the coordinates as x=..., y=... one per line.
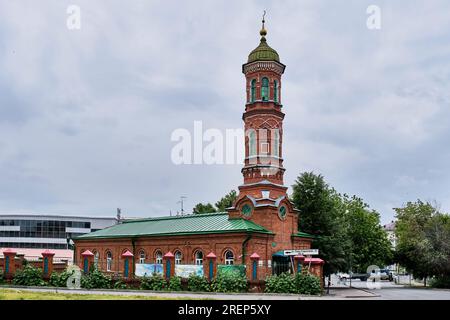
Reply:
x=10, y=264
x=254, y=258
x=169, y=265
x=47, y=263
x=126, y=256
x=212, y=266
x=88, y=260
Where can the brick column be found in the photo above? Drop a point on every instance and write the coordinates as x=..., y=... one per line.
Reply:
x=298, y=263
x=47, y=263
x=9, y=263
x=254, y=258
x=87, y=260
x=212, y=266
x=169, y=265
x=127, y=257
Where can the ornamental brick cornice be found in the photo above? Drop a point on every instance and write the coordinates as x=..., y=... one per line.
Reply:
x=274, y=66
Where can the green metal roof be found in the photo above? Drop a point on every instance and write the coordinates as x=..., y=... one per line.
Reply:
x=180, y=225
x=303, y=235
x=263, y=53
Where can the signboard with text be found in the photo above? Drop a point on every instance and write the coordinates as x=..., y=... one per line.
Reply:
x=304, y=252
x=147, y=270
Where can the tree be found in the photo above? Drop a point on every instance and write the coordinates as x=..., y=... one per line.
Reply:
x=227, y=201
x=203, y=208
x=369, y=242
x=423, y=240
x=321, y=214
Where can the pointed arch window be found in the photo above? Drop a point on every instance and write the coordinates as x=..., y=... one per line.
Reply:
x=178, y=257
x=142, y=256
x=252, y=143
x=229, y=257
x=275, y=91
x=109, y=261
x=158, y=257
x=253, y=90
x=198, y=258
x=265, y=89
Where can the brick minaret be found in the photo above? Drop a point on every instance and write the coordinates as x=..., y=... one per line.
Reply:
x=262, y=197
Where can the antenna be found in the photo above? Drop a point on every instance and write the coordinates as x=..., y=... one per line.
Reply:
x=182, y=203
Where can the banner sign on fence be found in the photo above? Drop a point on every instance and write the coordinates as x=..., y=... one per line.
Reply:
x=233, y=268
x=185, y=270
x=147, y=270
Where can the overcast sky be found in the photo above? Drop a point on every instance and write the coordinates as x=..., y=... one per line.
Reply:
x=86, y=115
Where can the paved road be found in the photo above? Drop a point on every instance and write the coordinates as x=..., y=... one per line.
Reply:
x=388, y=292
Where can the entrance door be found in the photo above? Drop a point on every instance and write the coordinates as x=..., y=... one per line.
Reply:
x=280, y=264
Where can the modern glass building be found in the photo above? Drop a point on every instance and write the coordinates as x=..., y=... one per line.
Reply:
x=47, y=231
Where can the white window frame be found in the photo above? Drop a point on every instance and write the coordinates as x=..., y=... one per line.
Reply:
x=109, y=259
x=142, y=256
x=178, y=257
x=198, y=261
x=229, y=261
x=158, y=257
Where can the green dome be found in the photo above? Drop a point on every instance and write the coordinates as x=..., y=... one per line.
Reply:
x=263, y=53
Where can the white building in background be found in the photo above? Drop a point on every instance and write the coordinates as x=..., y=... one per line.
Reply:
x=36, y=231
x=390, y=230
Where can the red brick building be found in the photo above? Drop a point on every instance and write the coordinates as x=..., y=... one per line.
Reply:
x=260, y=225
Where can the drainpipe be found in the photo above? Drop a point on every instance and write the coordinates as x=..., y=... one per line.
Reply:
x=133, y=244
x=249, y=236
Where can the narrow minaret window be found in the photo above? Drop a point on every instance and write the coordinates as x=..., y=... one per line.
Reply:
x=253, y=91
x=276, y=143
x=275, y=91
x=265, y=89
x=252, y=143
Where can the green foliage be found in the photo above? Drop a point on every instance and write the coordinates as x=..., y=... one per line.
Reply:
x=227, y=201
x=440, y=282
x=29, y=276
x=59, y=279
x=2, y=278
x=423, y=240
x=96, y=280
x=301, y=283
x=204, y=208
x=307, y=283
x=229, y=282
x=120, y=285
x=198, y=283
x=175, y=284
x=156, y=282
x=283, y=283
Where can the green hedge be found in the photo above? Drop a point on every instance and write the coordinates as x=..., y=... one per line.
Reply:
x=96, y=280
x=198, y=283
x=59, y=279
x=155, y=282
x=175, y=284
x=29, y=276
x=442, y=282
x=301, y=283
x=229, y=282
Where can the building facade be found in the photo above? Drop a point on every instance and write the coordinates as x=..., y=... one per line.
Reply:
x=261, y=223
x=47, y=231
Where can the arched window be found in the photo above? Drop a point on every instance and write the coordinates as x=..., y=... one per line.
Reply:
x=252, y=143
x=142, y=256
x=265, y=89
x=198, y=258
x=275, y=91
x=229, y=257
x=253, y=91
x=96, y=258
x=158, y=257
x=109, y=258
x=276, y=143
x=178, y=257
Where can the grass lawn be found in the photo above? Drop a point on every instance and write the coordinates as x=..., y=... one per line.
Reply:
x=17, y=294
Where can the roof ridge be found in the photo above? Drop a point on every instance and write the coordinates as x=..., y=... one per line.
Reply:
x=191, y=215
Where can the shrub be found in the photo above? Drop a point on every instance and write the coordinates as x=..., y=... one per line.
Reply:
x=198, y=283
x=155, y=282
x=59, y=279
x=175, y=284
x=121, y=285
x=2, y=278
x=307, y=283
x=283, y=283
x=440, y=282
x=29, y=276
x=229, y=282
x=96, y=280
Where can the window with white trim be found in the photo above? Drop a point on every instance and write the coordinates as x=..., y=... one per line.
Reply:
x=109, y=258
x=158, y=257
x=198, y=258
x=178, y=257
x=229, y=257
x=142, y=256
